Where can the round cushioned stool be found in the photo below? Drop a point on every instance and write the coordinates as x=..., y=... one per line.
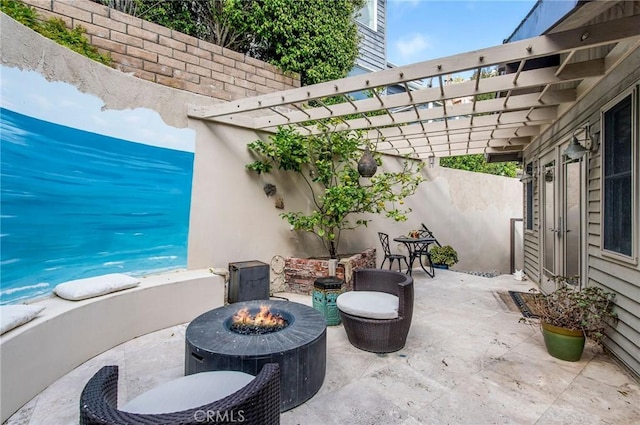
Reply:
x=377, y=314
x=188, y=392
x=369, y=304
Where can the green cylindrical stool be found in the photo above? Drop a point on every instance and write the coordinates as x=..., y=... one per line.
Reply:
x=325, y=293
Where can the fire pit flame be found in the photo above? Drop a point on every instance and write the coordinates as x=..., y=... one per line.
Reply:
x=261, y=323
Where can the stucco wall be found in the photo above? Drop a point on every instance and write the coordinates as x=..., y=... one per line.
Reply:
x=233, y=220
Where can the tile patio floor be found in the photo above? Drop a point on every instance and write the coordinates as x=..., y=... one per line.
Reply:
x=467, y=361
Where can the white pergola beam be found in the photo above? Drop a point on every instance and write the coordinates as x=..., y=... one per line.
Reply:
x=534, y=78
x=560, y=42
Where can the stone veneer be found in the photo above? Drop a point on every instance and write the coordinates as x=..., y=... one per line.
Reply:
x=166, y=56
x=300, y=273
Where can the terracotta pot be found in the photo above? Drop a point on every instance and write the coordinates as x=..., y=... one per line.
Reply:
x=562, y=343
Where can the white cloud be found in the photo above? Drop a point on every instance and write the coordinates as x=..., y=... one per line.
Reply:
x=29, y=93
x=412, y=47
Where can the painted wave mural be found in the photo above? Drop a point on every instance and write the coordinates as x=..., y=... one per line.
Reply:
x=76, y=204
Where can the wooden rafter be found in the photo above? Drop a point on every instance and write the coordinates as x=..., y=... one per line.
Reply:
x=432, y=120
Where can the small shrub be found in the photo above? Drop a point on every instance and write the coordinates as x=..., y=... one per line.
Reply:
x=55, y=30
x=588, y=310
x=444, y=255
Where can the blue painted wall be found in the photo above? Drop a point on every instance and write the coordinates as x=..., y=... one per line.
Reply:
x=76, y=204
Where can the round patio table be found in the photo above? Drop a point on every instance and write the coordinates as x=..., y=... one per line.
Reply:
x=418, y=248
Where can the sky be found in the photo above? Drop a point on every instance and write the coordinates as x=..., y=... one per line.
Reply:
x=419, y=30
x=29, y=93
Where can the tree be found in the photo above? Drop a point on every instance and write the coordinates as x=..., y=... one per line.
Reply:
x=478, y=164
x=327, y=162
x=316, y=38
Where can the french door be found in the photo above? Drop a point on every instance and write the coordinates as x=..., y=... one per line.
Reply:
x=563, y=214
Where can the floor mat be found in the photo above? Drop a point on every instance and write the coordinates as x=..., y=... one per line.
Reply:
x=524, y=302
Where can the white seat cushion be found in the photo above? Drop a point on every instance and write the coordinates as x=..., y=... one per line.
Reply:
x=188, y=392
x=369, y=304
x=12, y=316
x=90, y=287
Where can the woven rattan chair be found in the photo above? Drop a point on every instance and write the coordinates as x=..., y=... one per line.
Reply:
x=257, y=403
x=380, y=335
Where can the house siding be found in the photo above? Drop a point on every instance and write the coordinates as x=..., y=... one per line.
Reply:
x=373, y=50
x=621, y=278
x=531, y=237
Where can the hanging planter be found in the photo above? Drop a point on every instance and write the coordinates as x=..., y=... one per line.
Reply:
x=367, y=165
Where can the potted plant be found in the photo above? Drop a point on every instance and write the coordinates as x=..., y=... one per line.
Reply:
x=568, y=317
x=443, y=257
x=327, y=162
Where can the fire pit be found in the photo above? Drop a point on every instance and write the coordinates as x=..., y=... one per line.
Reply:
x=297, y=342
x=265, y=321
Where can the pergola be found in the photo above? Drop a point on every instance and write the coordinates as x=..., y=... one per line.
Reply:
x=540, y=79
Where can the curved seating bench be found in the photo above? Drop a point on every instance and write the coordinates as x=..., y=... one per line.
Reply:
x=68, y=333
x=368, y=313
x=221, y=397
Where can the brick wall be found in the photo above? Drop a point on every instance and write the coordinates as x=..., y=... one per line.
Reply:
x=165, y=56
x=300, y=273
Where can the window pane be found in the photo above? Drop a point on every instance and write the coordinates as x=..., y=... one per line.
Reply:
x=617, y=210
x=529, y=171
x=618, y=175
x=618, y=138
x=549, y=219
x=367, y=14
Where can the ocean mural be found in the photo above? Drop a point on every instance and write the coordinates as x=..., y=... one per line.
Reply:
x=77, y=203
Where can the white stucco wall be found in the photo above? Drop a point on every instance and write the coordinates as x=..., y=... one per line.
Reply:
x=233, y=220
x=231, y=217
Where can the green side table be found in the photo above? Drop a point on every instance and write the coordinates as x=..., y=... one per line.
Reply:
x=325, y=293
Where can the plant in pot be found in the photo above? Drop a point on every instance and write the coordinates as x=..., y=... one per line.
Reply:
x=443, y=257
x=568, y=317
x=327, y=164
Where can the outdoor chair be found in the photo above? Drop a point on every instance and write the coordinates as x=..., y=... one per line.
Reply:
x=425, y=232
x=377, y=314
x=384, y=241
x=233, y=398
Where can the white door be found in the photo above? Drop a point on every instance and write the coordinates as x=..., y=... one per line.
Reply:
x=562, y=186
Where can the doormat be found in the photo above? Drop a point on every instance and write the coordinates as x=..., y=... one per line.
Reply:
x=524, y=301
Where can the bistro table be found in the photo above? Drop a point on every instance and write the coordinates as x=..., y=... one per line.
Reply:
x=418, y=248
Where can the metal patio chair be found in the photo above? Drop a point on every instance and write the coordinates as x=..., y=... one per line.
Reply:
x=384, y=241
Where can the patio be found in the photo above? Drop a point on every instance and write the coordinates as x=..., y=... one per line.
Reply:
x=467, y=361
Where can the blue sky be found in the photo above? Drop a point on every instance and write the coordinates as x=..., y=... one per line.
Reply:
x=419, y=30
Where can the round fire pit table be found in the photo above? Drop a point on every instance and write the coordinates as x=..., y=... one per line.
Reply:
x=300, y=348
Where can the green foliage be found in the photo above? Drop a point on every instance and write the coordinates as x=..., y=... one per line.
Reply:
x=589, y=310
x=444, y=255
x=54, y=29
x=20, y=12
x=327, y=162
x=478, y=164
x=187, y=17
x=317, y=39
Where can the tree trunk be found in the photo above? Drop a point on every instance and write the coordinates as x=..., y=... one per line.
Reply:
x=332, y=250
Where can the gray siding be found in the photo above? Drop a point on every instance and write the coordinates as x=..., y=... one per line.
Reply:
x=619, y=277
x=373, y=45
x=531, y=237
